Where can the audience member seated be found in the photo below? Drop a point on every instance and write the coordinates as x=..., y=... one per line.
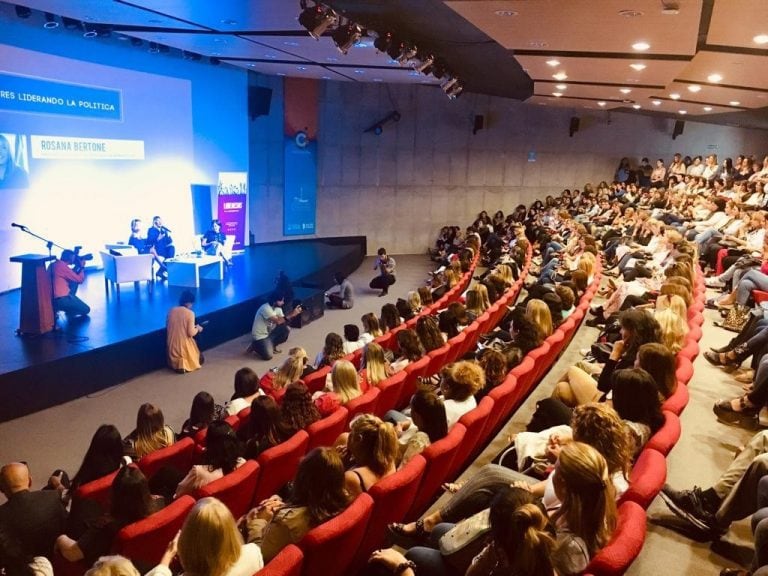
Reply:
x=538, y=313
x=265, y=428
x=332, y=350
x=428, y=331
x=494, y=364
x=660, y=363
x=297, y=408
x=150, y=434
x=104, y=456
x=345, y=386
x=130, y=502
x=409, y=349
x=204, y=411
x=246, y=390
x=427, y=419
x=113, y=566
x=459, y=382
x=372, y=445
x=375, y=368
x=371, y=328
x=352, y=340
x=222, y=455
x=390, y=317
x=209, y=544
x=635, y=397
x=317, y=495
x=275, y=381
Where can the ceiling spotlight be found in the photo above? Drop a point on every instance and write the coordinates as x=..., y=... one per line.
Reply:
x=759, y=39
x=640, y=46
x=438, y=70
x=601, y=104
x=346, y=36
x=50, y=21
x=636, y=106
x=734, y=103
x=707, y=108
x=557, y=94
x=553, y=63
x=683, y=112
x=630, y=13
x=505, y=13
x=70, y=23
x=426, y=65
x=383, y=42
x=166, y=49
x=23, y=12
x=656, y=102
x=136, y=42
x=408, y=51
x=317, y=20
x=89, y=31
x=561, y=86
x=675, y=96
x=448, y=83
x=639, y=67
x=714, y=78
x=154, y=48
x=694, y=88
x=670, y=8
x=187, y=55
x=625, y=90
x=560, y=76
x=454, y=91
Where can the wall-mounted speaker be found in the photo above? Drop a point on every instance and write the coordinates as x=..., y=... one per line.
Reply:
x=479, y=123
x=259, y=101
x=575, y=122
x=678, y=129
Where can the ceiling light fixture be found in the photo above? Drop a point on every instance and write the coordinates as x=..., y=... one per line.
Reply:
x=639, y=67
x=683, y=112
x=734, y=103
x=675, y=96
x=630, y=13
x=640, y=46
x=23, y=11
x=426, y=65
x=406, y=54
x=317, y=20
x=636, y=106
x=505, y=13
x=625, y=90
x=50, y=21
x=694, y=88
x=714, y=78
x=760, y=39
x=656, y=102
x=557, y=94
x=383, y=42
x=560, y=76
x=553, y=63
x=601, y=103
x=561, y=86
x=707, y=108
x=346, y=36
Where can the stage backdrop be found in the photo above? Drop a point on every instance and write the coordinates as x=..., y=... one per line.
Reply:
x=83, y=157
x=232, y=193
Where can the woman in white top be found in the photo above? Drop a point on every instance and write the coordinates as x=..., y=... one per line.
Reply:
x=209, y=544
x=459, y=383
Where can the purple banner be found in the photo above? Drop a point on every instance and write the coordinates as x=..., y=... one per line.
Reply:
x=232, y=193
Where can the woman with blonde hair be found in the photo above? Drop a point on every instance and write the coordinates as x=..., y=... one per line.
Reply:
x=671, y=288
x=150, y=434
x=414, y=302
x=482, y=290
x=673, y=329
x=474, y=306
x=674, y=303
x=372, y=443
x=274, y=382
x=113, y=566
x=425, y=295
x=210, y=544
x=505, y=272
x=371, y=327
x=538, y=312
x=345, y=387
x=587, y=265
x=375, y=369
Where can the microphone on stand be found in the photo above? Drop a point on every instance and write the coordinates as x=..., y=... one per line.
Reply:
x=21, y=226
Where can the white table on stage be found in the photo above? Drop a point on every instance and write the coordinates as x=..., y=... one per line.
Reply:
x=189, y=270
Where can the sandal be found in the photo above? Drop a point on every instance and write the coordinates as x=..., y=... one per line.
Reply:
x=400, y=537
x=747, y=416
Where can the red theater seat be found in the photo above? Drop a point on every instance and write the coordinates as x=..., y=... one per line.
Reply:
x=413, y=371
x=678, y=401
x=392, y=498
x=233, y=421
x=437, y=359
x=325, y=431
x=331, y=547
x=666, y=438
x=288, y=562
x=456, y=343
x=365, y=404
x=316, y=381
x=390, y=391
x=279, y=465
x=504, y=396
x=524, y=373
x=647, y=478
x=624, y=547
x=690, y=349
x=235, y=489
x=476, y=423
x=145, y=541
x=178, y=456
x=98, y=490
x=684, y=371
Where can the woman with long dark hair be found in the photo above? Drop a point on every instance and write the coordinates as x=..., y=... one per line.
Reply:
x=221, y=456
x=265, y=427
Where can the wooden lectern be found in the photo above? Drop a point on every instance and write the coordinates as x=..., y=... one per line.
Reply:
x=36, y=296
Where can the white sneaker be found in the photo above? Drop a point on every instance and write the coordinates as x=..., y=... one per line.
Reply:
x=714, y=282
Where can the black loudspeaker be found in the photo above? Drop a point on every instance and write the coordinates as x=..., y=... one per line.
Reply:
x=575, y=121
x=479, y=123
x=259, y=101
x=679, y=127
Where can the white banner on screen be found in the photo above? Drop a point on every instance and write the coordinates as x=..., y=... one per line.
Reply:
x=65, y=148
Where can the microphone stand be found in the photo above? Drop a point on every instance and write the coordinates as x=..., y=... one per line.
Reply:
x=49, y=244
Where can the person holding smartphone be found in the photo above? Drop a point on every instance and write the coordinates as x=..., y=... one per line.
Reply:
x=181, y=328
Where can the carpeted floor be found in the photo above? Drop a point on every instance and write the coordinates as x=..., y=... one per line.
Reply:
x=58, y=437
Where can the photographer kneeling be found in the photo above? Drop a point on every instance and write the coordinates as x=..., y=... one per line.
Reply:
x=66, y=279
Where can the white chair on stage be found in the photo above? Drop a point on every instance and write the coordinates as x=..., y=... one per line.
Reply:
x=127, y=267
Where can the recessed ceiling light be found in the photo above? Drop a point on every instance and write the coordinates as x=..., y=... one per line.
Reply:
x=639, y=67
x=760, y=39
x=656, y=102
x=301, y=68
x=358, y=71
x=286, y=43
x=331, y=59
x=538, y=44
x=714, y=78
x=561, y=86
x=560, y=76
x=683, y=112
x=326, y=77
x=675, y=96
x=281, y=73
x=252, y=65
x=625, y=90
x=640, y=46
x=630, y=13
x=553, y=63
x=636, y=106
x=557, y=94
x=229, y=22
x=505, y=13
x=734, y=103
x=601, y=103
x=694, y=88
x=270, y=56
x=707, y=108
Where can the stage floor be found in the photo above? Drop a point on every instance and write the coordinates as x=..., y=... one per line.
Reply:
x=128, y=320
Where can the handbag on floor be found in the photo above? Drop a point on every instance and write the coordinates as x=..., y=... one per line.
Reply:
x=466, y=540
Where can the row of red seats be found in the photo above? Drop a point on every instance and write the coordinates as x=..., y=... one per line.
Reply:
x=650, y=470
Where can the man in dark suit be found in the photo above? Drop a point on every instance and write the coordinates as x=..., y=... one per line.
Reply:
x=34, y=518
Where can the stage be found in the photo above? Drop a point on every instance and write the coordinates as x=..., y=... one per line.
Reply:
x=125, y=336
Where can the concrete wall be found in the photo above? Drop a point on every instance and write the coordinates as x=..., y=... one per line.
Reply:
x=429, y=169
